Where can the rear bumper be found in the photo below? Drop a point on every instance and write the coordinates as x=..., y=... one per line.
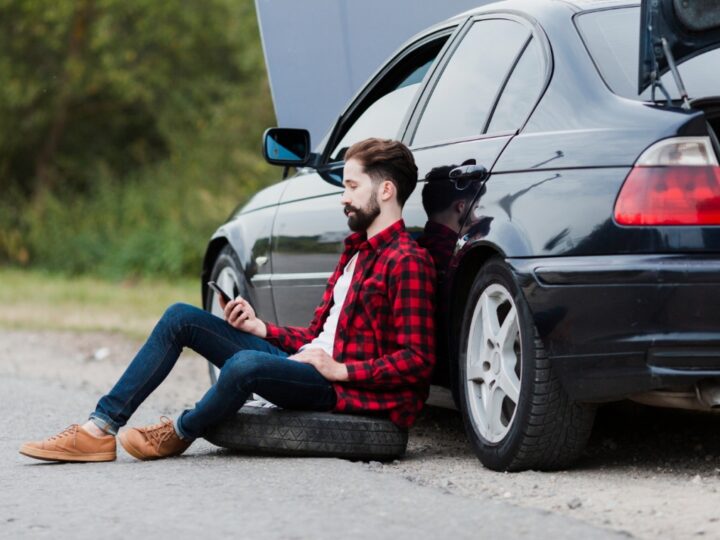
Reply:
x=614, y=326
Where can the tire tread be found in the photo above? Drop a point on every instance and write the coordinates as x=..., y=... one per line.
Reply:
x=300, y=433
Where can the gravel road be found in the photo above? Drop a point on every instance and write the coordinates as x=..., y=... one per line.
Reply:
x=647, y=473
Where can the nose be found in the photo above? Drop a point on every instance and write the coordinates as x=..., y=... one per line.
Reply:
x=344, y=199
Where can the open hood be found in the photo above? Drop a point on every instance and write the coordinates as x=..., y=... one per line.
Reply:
x=690, y=27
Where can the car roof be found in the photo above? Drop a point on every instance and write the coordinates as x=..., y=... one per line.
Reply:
x=538, y=5
x=529, y=6
x=584, y=5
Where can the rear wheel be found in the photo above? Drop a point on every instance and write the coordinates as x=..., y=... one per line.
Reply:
x=516, y=414
x=227, y=273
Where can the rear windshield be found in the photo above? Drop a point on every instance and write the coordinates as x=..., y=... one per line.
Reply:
x=612, y=37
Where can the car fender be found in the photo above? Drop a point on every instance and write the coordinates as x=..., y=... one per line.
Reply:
x=249, y=236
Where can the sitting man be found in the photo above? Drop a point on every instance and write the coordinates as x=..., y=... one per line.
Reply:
x=369, y=347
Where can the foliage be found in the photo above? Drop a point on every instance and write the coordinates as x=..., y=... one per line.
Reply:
x=130, y=129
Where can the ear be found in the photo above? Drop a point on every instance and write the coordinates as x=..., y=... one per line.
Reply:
x=387, y=190
x=460, y=206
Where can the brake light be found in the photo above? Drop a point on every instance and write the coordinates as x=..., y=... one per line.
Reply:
x=674, y=182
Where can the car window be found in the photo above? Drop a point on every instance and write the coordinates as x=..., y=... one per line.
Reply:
x=466, y=90
x=383, y=110
x=611, y=37
x=521, y=91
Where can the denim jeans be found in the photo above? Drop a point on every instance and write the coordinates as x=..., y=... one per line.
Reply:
x=248, y=364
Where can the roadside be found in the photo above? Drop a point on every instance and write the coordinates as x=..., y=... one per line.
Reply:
x=33, y=299
x=52, y=378
x=646, y=472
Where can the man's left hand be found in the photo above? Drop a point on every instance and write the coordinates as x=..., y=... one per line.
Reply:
x=324, y=363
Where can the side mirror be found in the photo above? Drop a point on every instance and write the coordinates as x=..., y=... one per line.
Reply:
x=286, y=146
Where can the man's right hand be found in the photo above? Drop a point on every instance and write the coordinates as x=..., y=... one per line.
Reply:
x=241, y=315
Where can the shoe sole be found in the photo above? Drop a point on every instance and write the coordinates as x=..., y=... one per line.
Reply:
x=54, y=455
x=130, y=449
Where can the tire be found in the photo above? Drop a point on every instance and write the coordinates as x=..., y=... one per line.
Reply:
x=227, y=273
x=517, y=415
x=310, y=434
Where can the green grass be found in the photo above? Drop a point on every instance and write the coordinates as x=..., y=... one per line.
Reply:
x=32, y=299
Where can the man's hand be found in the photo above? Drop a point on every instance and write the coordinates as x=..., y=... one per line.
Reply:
x=241, y=315
x=324, y=363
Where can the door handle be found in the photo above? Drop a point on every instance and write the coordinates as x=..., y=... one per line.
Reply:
x=469, y=172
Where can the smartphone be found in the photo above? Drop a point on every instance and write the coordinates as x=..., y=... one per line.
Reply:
x=215, y=287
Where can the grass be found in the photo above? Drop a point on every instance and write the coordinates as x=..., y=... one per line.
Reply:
x=36, y=300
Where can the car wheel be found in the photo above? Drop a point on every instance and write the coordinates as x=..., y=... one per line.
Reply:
x=516, y=414
x=227, y=273
x=306, y=433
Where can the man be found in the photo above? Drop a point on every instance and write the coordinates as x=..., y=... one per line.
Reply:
x=446, y=203
x=369, y=347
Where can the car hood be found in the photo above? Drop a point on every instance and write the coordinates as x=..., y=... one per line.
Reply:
x=690, y=27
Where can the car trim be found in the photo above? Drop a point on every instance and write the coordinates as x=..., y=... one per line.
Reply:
x=483, y=136
x=300, y=278
x=649, y=270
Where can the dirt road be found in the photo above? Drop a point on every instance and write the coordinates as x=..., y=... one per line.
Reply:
x=646, y=472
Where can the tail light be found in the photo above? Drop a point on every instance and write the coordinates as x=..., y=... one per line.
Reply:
x=674, y=182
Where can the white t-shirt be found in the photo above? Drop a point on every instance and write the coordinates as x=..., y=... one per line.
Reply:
x=326, y=339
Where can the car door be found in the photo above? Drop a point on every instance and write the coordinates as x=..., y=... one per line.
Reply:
x=480, y=97
x=310, y=226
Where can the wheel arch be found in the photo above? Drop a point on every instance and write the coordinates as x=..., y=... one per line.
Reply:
x=238, y=233
x=215, y=246
x=465, y=267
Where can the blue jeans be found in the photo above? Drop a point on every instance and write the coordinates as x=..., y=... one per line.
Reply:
x=248, y=364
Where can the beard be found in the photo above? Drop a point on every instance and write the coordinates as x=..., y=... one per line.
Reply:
x=363, y=217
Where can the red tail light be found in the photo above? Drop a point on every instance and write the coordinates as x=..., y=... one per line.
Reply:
x=675, y=182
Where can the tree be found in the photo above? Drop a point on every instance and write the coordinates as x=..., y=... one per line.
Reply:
x=114, y=85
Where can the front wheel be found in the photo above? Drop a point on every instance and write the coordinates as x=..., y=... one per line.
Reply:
x=517, y=415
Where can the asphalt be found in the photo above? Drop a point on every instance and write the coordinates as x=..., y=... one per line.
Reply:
x=212, y=493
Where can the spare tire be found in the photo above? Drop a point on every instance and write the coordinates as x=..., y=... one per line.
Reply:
x=310, y=434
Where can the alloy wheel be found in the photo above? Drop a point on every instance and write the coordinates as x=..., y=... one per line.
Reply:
x=493, y=363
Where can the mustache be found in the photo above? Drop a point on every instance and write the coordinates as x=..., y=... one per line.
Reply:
x=349, y=209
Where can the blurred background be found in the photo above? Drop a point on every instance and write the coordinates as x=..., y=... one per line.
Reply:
x=128, y=131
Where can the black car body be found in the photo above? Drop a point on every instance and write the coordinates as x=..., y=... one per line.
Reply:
x=615, y=288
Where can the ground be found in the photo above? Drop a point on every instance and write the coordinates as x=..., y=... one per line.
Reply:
x=646, y=472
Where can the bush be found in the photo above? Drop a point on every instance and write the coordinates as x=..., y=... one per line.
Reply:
x=157, y=223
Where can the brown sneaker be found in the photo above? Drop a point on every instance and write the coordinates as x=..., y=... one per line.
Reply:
x=154, y=442
x=72, y=444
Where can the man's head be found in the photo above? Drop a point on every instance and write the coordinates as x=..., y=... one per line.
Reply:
x=445, y=200
x=379, y=176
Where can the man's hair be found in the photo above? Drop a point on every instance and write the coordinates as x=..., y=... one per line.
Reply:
x=440, y=191
x=385, y=159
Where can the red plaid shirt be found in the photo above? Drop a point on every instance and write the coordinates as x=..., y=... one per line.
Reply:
x=385, y=333
x=440, y=242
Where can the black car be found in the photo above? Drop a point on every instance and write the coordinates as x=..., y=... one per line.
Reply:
x=585, y=263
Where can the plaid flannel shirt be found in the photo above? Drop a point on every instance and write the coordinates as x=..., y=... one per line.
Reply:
x=440, y=242
x=385, y=333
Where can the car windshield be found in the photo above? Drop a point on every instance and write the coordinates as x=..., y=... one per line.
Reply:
x=612, y=38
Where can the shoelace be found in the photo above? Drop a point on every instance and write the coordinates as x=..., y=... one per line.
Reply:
x=70, y=430
x=159, y=433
